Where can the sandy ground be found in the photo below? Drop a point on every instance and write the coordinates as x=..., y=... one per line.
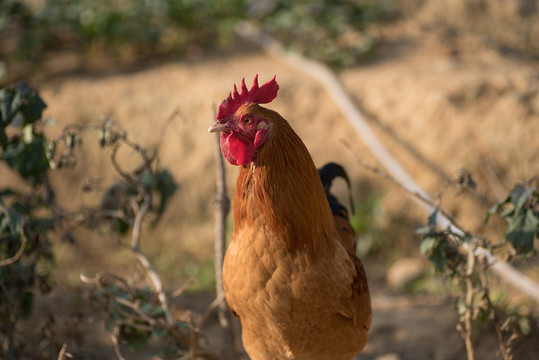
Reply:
x=438, y=101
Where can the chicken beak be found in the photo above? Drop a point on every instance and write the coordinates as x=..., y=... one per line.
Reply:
x=218, y=127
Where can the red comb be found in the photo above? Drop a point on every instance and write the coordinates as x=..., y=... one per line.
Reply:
x=257, y=95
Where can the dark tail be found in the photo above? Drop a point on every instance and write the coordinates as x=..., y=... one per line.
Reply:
x=327, y=174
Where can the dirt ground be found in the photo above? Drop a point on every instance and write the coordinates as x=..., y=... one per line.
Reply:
x=438, y=100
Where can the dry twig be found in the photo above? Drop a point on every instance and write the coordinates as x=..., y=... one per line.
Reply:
x=222, y=208
x=63, y=353
x=468, y=315
x=116, y=342
x=19, y=252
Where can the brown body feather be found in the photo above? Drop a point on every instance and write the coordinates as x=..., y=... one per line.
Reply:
x=299, y=293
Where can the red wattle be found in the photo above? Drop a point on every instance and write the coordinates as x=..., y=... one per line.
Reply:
x=235, y=150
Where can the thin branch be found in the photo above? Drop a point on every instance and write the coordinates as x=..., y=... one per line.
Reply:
x=420, y=196
x=222, y=208
x=135, y=238
x=182, y=288
x=116, y=343
x=150, y=270
x=176, y=113
x=468, y=315
x=19, y=252
x=157, y=284
x=504, y=350
x=85, y=279
x=63, y=353
x=137, y=224
x=134, y=306
x=101, y=281
x=127, y=177
x=214, y=305
x=141, y=314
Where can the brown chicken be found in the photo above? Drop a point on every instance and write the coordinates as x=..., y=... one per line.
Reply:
x=299, y=293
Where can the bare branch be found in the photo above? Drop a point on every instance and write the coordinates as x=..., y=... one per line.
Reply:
x=222, y=208
x=85, y=279
x=63, y=353
x=19, y=252
x=127, y=177
x=103, y=278
x=137, y=224
x=214, y=305
x=468, y=315
x=137, y=227
x=176, y=113
x=504, y=350
x=157, y=284
x=116, y=343
x=182, y=289
x=415, y=194
x=139, y=205
x=100, y=280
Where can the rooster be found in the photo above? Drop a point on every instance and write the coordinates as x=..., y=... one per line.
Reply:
x=298, y=292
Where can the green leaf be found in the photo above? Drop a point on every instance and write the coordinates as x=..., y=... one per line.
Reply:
x=494, y=209
x=508, y=213
x=159, y=333
x=466, y=238
x=10, y=104
x=427, y=244
x=519, y=195
x=50, y=121
x=29, y=160
x=3, y=137
x=27, y=300
x=166, y=187
x=136, y=339
x=524, y=325
x=438, y=255
x=10, y=222
x=522, y=230
x=483, y=315
x=146, y=308
x=20, y=98
x=423, y=230
x=158, y=311
x=33, y=105
x=432, y=218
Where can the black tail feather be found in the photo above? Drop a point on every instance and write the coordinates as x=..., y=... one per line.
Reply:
x=327, y=174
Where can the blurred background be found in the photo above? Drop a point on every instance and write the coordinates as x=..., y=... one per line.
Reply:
x=450, y=88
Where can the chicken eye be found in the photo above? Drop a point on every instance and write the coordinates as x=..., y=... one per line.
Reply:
x=247, y=120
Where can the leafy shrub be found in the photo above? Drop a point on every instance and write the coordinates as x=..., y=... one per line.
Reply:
x=462, y=256
x=333, y=31
x=26, y=218
x=25, y=250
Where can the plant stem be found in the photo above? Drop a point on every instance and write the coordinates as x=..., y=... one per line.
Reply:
x=468, y=316
x=504, y=350
x=222, y=208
